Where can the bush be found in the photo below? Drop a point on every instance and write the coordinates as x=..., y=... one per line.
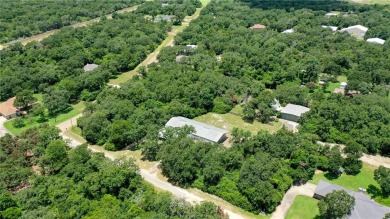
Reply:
x=109, y=146
x=220, y=106
x=18, y=123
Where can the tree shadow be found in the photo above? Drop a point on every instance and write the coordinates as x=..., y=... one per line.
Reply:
x=330, y=176
x=42, y=120
x=374, y=191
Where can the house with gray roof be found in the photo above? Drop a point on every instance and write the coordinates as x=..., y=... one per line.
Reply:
x=357, y=30
x=202, y=132
x=90, y=67
x=293, y=112
x=365, y=207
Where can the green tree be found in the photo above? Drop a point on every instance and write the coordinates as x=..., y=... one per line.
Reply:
x=55, y=157
x=24, y=98
x=336, y=204
x=12, y=213
x=55, y=100
x=382, y=176
x=18, y=122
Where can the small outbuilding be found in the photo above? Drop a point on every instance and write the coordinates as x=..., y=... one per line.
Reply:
x=90, y=67
x=357, y=30
x=202, y=132
x=328, y=15
x=364, y=208
x=293, y=112
x=7, y=109
x=257, y=27
x=162, y=18
x=289, y=31
x=343, y=85
x=376, y=41
x=333, y=28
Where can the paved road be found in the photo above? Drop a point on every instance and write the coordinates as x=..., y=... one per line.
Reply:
x=281, y=211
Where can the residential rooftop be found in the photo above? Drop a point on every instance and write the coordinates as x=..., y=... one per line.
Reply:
x=295, y=110
x=364, y=208
x=202, y=130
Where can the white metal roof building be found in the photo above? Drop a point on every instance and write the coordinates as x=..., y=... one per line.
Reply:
x=330, y=14
x=202, y=131
x=292, y=112
x=333, y=28
x=90, y=67
x=357, y=30
x=364, y=207
x=376, y=41
x=289, y=31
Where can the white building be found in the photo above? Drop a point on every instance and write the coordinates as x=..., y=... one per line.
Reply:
x=376, y=41
x=289, y=31
x=328, y=15
x=90, y=67
x=333, y=28
x=357, y=30
x=202, y=132
x=343, y=85
x=293, y=112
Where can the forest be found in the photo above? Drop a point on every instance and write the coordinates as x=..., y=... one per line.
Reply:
x=178, y=9
x=40, y=177
x=116, y=45
x=19, y=18
x=236, y=65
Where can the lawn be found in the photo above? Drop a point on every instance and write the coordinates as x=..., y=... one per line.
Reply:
x=332, y=86
x=303, y=207
x=232, y=120
x=365, y=179
x=361, y=180
x=33, y=121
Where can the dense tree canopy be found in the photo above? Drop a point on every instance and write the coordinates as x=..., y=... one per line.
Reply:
x=79, y=184
x=336, y=204
x=23, y=19
x=117, y=45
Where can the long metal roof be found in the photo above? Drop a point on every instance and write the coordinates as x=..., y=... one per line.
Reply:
x=204, y=131
x=295, y=110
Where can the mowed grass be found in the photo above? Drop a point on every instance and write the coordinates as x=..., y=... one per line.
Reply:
x=303, y=207
x=34, y=121
x=361, y=180
x=229, y=121
x=332, y=86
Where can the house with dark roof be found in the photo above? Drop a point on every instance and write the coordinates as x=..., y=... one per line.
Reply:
x=365, y=207
x=293, y=112
x=202, y=132
x=7, y=109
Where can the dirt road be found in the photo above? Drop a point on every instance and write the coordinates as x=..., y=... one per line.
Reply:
x=374, y=160
x=44, y=35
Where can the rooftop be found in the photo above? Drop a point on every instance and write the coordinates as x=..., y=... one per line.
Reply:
x=295, y=110
x=364, y=207
x=90, y=67
x=202, y=130
x=258, y=26
x=359, y=27
x=333, y=28
x=376, y=41
x=288, y=31
x=7, y=107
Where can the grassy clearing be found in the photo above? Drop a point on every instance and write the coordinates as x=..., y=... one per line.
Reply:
x=303, y=207
x=229, y=121
x=33, y=121
x=361, y=180
x=226, y=205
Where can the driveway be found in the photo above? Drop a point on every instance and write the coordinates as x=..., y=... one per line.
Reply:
x=306, y=190
x=3, y=130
